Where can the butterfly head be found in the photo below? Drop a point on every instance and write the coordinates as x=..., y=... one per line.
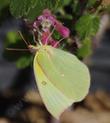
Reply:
x=33, y=49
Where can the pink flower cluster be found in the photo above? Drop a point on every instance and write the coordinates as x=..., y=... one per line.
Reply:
x=44, y=24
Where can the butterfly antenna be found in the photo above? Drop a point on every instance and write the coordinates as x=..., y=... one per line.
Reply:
x=13, y=49
x=58, y=42
x=61, y=40
x=26, y=42
x=37, y=29
x=39, y=32
x=50, y=35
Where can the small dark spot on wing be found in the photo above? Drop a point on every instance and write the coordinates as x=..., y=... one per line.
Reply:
x=44, y=82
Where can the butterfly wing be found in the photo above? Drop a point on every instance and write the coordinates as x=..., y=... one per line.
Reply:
x=62, y=79
x=55, y=101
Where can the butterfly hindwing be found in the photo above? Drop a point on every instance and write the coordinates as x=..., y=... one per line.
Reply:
x=55, y=101
x=62, y=79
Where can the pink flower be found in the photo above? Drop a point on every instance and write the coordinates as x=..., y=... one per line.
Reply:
x=47, y=16
x=44, y=37
x=44, y=23
x=36, y=24
x=46, y=40
x=46, y=20
x=64, y=31
x=54, y=43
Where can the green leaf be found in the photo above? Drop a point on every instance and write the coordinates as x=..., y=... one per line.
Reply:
x=66, y=2
x=87, y=26
x=12, y=37
x=3, y=4
x=56, y=35
x=107, y=8
x=41, y=5
x=86, y=48
x=30, y=9
x=24, y=62
x=21, y=8
x=91, y=3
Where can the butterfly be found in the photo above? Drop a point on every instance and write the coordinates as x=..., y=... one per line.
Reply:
x=62, y=79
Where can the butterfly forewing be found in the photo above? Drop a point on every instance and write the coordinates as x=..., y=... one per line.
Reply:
x=55, y=101
x=64, y=76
